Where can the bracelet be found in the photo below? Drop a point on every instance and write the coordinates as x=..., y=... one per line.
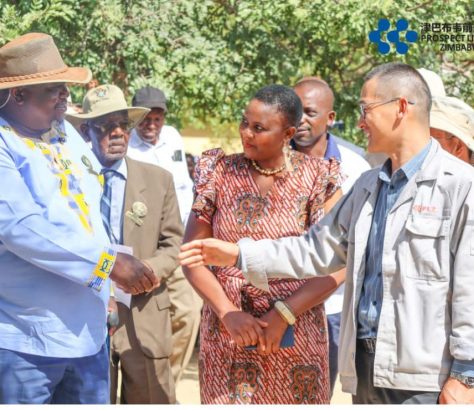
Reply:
x=103, y=269
x=285, y=312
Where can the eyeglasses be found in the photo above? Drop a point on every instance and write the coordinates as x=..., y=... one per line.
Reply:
x=106, y=127
x=366, y=107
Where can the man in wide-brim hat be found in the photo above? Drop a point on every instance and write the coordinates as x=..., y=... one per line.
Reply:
x=103, y=100
x=155, y=142
x=141, y=211
x=452, y=124
x=55, y=257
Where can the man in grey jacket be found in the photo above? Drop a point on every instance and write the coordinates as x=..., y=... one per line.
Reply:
x=405, y=232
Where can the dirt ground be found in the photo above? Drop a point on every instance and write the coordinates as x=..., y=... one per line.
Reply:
x=188, y=387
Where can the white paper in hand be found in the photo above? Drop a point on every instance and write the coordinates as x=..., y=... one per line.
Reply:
x=121, y=296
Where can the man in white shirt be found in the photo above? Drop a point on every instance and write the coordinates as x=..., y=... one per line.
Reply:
x=156, y=143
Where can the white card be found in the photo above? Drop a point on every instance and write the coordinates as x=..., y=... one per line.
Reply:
x=121, y=296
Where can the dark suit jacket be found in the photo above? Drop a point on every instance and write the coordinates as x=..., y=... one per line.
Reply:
x=157, y=242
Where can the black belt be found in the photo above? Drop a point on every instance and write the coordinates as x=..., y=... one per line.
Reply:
x=368, y=345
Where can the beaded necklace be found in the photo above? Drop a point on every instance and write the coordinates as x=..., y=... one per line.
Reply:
x=266, y=171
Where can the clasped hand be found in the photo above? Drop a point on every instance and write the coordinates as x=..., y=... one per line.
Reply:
x=132, y=275
x=247, y=330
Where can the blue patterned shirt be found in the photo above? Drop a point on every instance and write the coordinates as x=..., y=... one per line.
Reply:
x=53, y=269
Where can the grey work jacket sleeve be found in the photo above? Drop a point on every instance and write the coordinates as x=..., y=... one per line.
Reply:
x=321, y=251
x=462, y=247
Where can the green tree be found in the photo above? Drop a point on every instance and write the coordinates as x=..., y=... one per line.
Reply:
x=210, y=56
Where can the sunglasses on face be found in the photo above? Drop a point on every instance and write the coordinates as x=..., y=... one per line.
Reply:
x=367, y=107
x=105, y=127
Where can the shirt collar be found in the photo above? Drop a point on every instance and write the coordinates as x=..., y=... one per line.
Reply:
x=55, y=134
x=137, y=142
x=407, y=170
x=332, y=150
x=120, y=167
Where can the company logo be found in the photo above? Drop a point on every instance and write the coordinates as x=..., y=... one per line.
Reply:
x=449, y=36
x=394, y=36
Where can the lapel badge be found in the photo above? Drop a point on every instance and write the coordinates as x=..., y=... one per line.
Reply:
x=88, y=164
x=138, y=212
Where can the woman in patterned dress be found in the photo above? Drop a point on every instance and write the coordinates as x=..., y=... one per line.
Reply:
x=258, y=194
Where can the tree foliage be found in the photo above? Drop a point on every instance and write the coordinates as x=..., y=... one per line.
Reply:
x=210, y=56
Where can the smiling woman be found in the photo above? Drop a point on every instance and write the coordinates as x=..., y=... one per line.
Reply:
x=258, y=194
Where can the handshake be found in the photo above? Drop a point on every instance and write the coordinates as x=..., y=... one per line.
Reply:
x=132, y=275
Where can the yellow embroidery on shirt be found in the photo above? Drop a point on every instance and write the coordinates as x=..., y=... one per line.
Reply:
x=68, y=177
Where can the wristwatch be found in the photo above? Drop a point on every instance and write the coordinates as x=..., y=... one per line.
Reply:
x=466, y=380
x=285, y=312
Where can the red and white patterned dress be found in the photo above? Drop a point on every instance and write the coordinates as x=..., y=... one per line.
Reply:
x=228, y=198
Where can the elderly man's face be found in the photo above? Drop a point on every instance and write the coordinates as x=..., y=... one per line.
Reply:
x=109, y=135
x=42, y=103
x=451, y=143
x=149, y=129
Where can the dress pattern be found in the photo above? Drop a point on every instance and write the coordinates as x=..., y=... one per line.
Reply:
x=227, y=197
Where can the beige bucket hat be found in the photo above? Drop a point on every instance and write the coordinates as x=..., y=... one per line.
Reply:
x=454, y=116
x=434, y=81
x=34, y=59
x=103, y=100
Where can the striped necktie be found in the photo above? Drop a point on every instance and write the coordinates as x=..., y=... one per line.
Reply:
x=105, y=203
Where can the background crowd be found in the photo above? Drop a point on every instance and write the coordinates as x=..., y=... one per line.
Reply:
x=101, y=194
x=210, y=57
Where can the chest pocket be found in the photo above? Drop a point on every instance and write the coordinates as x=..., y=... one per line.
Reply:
x=427, y=245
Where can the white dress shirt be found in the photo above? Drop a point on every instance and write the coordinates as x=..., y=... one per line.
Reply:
x=168, y=153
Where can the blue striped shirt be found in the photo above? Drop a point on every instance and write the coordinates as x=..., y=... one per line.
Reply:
x=119, y=180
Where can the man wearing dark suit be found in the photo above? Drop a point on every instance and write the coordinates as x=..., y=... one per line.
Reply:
x=140, y=210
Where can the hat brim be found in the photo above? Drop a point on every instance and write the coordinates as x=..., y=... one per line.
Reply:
x=444, y=123
x=72, y=75
x=135, y=115
x=155, y=104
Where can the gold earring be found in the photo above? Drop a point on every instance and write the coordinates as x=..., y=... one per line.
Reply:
x=287, y=156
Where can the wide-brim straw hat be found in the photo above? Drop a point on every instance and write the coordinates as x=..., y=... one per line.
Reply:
x=454, y=116
x=34, y=59
x=103, y=100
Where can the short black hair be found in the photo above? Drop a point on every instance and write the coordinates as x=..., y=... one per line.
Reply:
x=284, y=99
x=395, y=79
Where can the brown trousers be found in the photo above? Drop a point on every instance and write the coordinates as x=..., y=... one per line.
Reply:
x=144, y=380
x=185, y=311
